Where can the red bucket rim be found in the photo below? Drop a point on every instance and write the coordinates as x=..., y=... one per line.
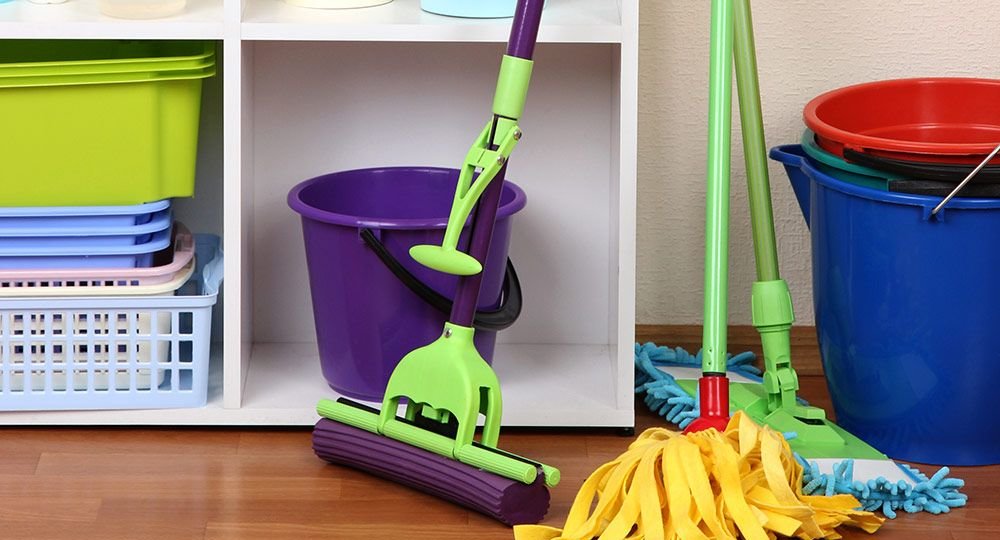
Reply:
x=833, y=138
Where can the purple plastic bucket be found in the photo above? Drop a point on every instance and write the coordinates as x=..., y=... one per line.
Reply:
x=366, y=319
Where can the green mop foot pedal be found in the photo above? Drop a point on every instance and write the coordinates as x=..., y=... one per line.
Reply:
x=449, y=261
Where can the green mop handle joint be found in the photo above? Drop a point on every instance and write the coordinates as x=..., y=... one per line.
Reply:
x=771, y=305
x=488, y=155
x=512, y=87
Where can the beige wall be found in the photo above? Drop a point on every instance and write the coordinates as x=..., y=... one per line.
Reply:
x=804, y=47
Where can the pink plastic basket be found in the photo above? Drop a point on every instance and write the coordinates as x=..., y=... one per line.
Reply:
x=183, y=252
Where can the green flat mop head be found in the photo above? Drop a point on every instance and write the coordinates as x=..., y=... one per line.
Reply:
x=875, y=480
x=447, y=386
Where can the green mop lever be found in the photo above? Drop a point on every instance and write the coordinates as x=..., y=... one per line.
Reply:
x=488, y=159
x=771, y=300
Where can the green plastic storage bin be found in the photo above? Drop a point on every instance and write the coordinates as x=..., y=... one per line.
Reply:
x=95, y=123
x=25, y=57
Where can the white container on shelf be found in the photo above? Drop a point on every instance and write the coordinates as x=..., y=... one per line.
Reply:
x=337, y=4
x=141, y=9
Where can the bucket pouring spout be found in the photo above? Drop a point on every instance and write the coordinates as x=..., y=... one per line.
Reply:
x=792, y=156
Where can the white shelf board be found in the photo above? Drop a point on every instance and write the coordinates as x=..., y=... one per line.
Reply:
x=543, y=385
x=81, y=19
x=564, y=21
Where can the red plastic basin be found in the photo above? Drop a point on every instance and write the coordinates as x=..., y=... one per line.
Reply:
x=950, y=120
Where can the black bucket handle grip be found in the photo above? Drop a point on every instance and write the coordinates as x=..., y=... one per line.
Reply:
x=922, y=170
x=492, y=321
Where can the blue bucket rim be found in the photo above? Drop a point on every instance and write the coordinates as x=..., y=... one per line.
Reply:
x=296, y=203
x=924, y=201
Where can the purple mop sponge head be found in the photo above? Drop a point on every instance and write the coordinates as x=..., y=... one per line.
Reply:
x=508, y=501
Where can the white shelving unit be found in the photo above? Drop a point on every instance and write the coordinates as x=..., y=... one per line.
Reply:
x=305, y=92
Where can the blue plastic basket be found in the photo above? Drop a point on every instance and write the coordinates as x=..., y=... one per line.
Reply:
x=82, y=253
x=141, y=352
x=80, y=216
x=60, y=235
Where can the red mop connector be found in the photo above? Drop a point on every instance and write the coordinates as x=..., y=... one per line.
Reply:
x=713, y=399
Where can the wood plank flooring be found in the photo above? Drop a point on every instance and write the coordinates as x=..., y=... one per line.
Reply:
x=178, y=484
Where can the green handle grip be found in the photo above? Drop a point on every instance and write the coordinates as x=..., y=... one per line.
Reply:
x=512, y=86
x=552, y=475
x=345, y=414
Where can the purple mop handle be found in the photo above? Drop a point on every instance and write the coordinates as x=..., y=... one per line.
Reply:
x=524, y=30
x=523, y=33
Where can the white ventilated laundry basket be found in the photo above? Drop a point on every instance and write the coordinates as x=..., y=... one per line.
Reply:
x=125, y=352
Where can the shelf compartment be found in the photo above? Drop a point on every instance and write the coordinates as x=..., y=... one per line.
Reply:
x=82, y=19
x=543, y=385
x=564, y=21
x=315, y=115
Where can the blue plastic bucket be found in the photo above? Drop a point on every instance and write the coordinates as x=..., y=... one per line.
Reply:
x=907, y=314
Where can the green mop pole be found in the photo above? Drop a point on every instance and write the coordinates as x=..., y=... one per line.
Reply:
x=713, y=386
x=717, y=189
x=771, y=301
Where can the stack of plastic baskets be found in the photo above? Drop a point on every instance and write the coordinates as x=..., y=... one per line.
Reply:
x=42, y=238
x=105, y=300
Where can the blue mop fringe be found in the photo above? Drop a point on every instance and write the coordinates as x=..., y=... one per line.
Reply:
x=661, y=393
x=936, y=495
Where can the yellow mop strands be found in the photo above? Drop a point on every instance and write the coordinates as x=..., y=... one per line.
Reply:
x=741, y=483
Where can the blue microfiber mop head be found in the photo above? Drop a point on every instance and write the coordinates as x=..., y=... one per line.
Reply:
x=661, y=393
x=936, y=495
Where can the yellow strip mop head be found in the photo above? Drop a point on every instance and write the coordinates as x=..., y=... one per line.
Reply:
x=741, y=483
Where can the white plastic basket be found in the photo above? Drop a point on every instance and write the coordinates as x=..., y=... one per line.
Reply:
x=125, y=352
x=41, y=289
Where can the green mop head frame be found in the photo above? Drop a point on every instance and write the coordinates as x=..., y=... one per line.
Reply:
x=665, y=396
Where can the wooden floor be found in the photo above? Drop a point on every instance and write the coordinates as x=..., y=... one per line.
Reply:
x=249, y=484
